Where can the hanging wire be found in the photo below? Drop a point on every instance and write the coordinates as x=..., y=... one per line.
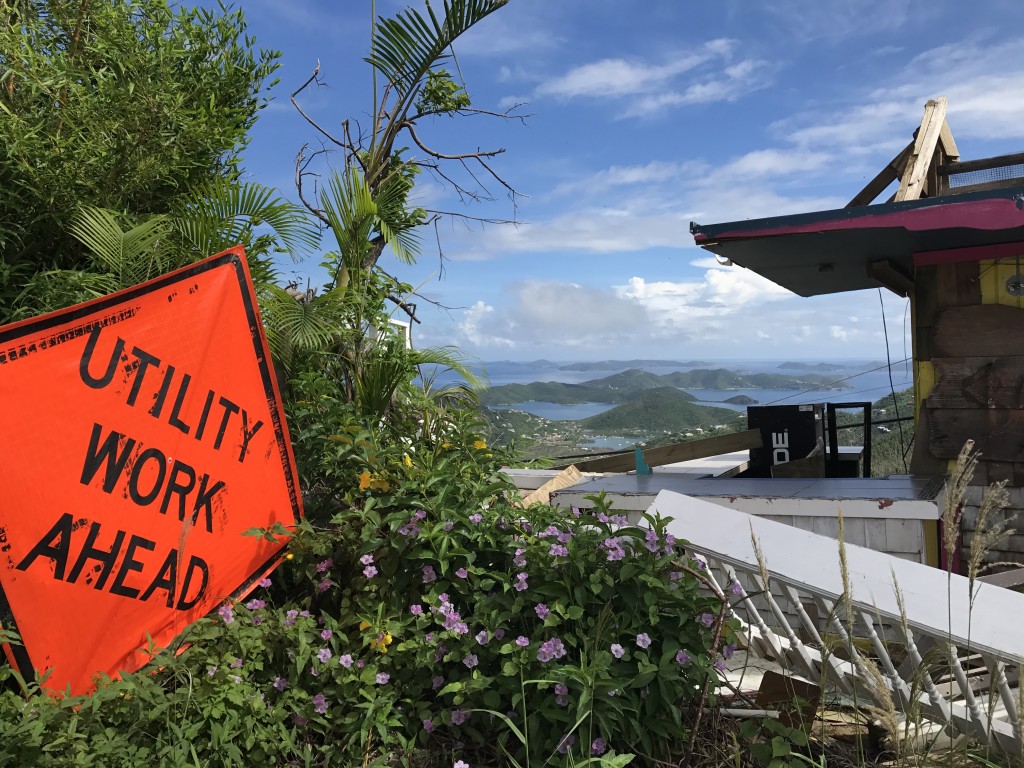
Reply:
x=840, y=381
x=892, y=387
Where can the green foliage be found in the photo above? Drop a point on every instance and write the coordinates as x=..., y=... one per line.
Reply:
x=773, y=744
x=441, y=94
x=118, y=105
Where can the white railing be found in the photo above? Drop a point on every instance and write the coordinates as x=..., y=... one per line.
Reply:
x=942, y=657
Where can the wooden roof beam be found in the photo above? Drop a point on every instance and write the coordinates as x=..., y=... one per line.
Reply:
x=885, y=177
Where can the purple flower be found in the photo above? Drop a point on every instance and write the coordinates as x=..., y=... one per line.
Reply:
x=470, y=661
x=619, y=520
x=643, y=641
x=682, y=658
x=482, y=637
x=736, y=588
x=542, y=611
x=366, y=559
x=360, y=664
x=728, y=650
x=382, y=678
x=475, y=518
x=597, y=747
x=326, y=634
x=324, y=565
x=562, y=701
x=409, y=530
x=707, y=619
x=212, y=670
x=563, y=538
x=324, y=585
x=459, y=716
x=324, y=654
x=561, y=689
x=290, y=617
x=345, y=660
x=418, y=515
x=522, y=641
x=519, y=561
x=448, y=525
x=226, y=613
x=499, y=634
x=237, y=663
x=265, y=582
x=613, y=547
x=437, y=682
x=280, y=683
x=299, y=720
x=460, y=764
x=551, y=649
x=566, y=742
x=651, y=541
x=428, y=574
x=320, y=704
x=370, y=571
x=617, y=650
x=428, y=725
x=558, y=550
x=416, y=609
x=720, y=665
x=520, y=584
x=462, y=573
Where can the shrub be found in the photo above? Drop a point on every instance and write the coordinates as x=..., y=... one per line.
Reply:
x=422, y=618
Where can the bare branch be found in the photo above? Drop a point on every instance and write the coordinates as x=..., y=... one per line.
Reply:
x=315, y=77
x=301, y=163
x=437, y=215
x=471, y=111
x=441, y=156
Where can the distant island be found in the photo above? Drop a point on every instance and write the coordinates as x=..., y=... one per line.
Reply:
x=620, y=387
x=656, y=411
x=790, y=366
x=740, y=400
x=615, y=365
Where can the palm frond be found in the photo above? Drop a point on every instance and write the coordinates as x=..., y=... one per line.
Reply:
x=221, y=214
x=131, y=256
x=351, y=213
x=407, y=46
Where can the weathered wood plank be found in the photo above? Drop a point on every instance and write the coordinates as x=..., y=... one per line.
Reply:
x=669, y=454
x=885, y=177
x=978, y=382
x=984, y=330
x=997, y=434
x=912, y=182
x=968, y=286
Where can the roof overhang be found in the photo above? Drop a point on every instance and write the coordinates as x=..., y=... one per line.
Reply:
x=869, y=246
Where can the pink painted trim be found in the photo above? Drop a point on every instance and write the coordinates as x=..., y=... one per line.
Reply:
x=988, y=214
x=971, y=253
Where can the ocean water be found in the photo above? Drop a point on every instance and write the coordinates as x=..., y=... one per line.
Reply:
x=867, y=381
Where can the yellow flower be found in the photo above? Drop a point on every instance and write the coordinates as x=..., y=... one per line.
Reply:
x=407, y=460
x=289, y=556
x=364, y=625
x=364, y=480
x=382, y=642
x=480, y=444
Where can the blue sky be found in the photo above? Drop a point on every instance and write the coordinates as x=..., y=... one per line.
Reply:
x=643, y=117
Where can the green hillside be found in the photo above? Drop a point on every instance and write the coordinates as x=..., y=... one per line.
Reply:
x=720, y=378
x=657, y=410
x=620, y=387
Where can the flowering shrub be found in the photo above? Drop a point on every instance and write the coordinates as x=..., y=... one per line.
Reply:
x=422, y=618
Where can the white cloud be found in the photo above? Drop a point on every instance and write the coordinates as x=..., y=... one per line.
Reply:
x=704, y=75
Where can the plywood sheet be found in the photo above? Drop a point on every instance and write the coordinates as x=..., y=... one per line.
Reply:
x=998, y=434
x=984, y=330
x=978, y=382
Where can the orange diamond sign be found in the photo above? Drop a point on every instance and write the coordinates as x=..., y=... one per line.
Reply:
x=143, y=434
